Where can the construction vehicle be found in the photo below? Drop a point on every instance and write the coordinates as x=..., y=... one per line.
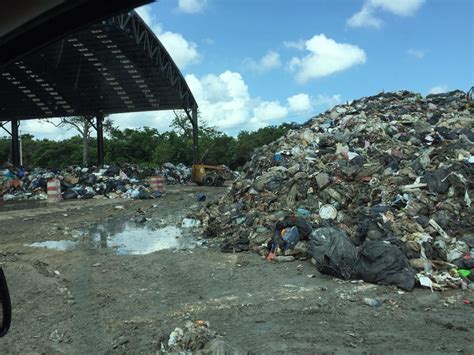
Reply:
x=210, y=175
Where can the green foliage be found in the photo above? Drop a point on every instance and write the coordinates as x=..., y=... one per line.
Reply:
x=148, y=147
x=131, y=145
x=5, y=144
x=49, y=154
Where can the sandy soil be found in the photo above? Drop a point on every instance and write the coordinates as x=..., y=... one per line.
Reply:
x=91, y=300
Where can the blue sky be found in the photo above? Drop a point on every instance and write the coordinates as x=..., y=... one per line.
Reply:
x=251, y=63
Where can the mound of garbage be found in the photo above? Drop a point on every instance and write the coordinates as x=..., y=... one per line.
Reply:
x=394, y=168
x=174, y=174
x=195, y=338
x=126, y=181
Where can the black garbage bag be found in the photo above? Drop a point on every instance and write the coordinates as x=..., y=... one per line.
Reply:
x=88, y=180
x=120, y=187
x=437, y=181
x=333, y=251
x=144, y=195
x=88, y=196
x=70, y=194
x=464, y=263
x=156, y=194
x=384, y=263
x=236, y=246
x=371, y=225
x=109, y=187
x=65, y=185
x=112, y=171
x=42, y=182
x=200, y=197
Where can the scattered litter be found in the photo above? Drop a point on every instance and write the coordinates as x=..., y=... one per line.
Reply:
x=327, y=212
x=372, y=302
x=425, y=282
x=200, y=197
x=190, y=223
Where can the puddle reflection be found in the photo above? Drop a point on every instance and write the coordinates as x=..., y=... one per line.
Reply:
x=126, y=237
x=56, y=244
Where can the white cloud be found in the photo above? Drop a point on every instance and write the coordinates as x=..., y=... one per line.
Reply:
x=366, y=17
x=192, y=6
x=327, y=101
x=294, y=44
x=325, y=57
x=183, y=52
x=304, y=104
x=223, y=99
x=300, y=103
x=271, y=60
x=145, y=14
x=225, y=102
x=438, y=89
x=417, y=53
x=43, y=129
x=160, y=120
x=398, y=7
x=269, y=111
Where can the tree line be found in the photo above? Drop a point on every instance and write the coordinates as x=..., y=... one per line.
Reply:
x=144, y=146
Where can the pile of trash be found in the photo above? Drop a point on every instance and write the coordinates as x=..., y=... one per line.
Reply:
x=195, y=338
x=18, y=184
x=127, y=181
x=174, y=174
x=395, y=168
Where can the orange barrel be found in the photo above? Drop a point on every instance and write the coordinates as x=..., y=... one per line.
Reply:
x=54, y=190
x=157, y=183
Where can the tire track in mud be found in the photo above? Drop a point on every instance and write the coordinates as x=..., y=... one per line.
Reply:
x=92, y=334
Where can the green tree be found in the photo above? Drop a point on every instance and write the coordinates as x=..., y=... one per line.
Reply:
x=83, y=125
x=215, y=146
x=148, y=146
x=5, y=144
x=132, y=145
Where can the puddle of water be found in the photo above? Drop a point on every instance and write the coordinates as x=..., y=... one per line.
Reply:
x=56, y=244
x=126, y=237
x=139, y=241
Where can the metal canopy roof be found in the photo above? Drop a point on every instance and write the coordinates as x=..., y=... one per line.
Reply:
x=117, y=65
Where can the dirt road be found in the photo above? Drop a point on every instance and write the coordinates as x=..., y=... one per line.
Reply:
x=91, y=298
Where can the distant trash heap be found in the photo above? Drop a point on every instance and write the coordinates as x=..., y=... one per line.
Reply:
x=127, y=181
x=394, y=169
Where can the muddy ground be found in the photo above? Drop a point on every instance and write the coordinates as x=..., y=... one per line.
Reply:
x=91, y=300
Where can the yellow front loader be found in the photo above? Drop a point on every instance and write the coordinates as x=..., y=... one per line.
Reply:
x=210, y=175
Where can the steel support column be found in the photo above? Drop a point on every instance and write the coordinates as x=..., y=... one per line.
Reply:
x=15, y=143
x=195, y=136
x=100, y=139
